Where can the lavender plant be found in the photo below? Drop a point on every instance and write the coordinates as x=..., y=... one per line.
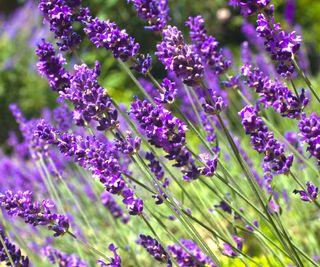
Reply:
x=176, y=175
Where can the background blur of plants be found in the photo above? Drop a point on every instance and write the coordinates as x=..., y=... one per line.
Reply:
x=20, y=83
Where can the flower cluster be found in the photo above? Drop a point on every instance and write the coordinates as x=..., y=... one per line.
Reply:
x=91, y=102
x=207, y=46
x=61, y=14
x=15, y=253
x=263, y=141
x=20, y=204
x=50, y=65
x=154, y=12
x=127, y=145
x=169, y=94
x=155, y=249
x=108, y=35
x=282, y=46
x=193, y=258
x=167, y=132
x=310, y=134
x=61, y=259
x=310, y=194
x=95, y=156
x=179, y=57
x=274, y=93
x=211, y=103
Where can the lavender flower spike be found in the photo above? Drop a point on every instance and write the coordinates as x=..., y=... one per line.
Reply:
x=108, y=35
x=155, y=249
x=310, y=195
x=179, y=57
x=34, y=213
x=310, y=134
x=155, y=12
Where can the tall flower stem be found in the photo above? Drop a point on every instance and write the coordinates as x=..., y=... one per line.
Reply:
x=6, y=250
x=306, y=79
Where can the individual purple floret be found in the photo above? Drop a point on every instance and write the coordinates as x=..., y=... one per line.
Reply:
x=275, y=93
x=62, y=259
x=154, y=12
x=169, y=94
x=108, y=35
x=108, y=201
x=50, y=65
x=211, y=103
x=61, y=15
x=207, y=46
x=310, y=195
x=229, y=251
x=142, y=63
x=18, y=259
x=193, y=258
x=154, y=248
x=310, y=134
x=263, y=141
x=249, y=7
x=91, y=101
x=179, y=57
x=115, y=261
x=21, y=204
x=129, y=146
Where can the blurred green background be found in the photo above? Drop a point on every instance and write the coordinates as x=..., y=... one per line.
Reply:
x=21, y=27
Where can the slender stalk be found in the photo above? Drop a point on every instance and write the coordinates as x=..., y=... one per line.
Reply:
x=6, y=250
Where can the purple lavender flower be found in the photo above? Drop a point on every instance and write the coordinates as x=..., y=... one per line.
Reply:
x=129, y=146
x=179, y=57
x=167, y=132
x=280, y=45
x=108, y=35
x=154, y=248
x=50, y=65
x=211, y=103
x=15, y=253
x=108, y=201
x=207, y=46
x=169, y=95
x=142, y=63
x=61, y=15
x=90, y=100
x=228, y=250
x=310, y=134
x=154, y=12
x=62, y=259
x=20, y=204
x=115, y=261
x=95, y=156
x=310, y=195
x=249, y=7
x=263, y=141
x=289, y=11
x=193, y=258
x=275, y=94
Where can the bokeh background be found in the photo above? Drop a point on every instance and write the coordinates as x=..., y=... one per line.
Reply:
x=21, y=28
